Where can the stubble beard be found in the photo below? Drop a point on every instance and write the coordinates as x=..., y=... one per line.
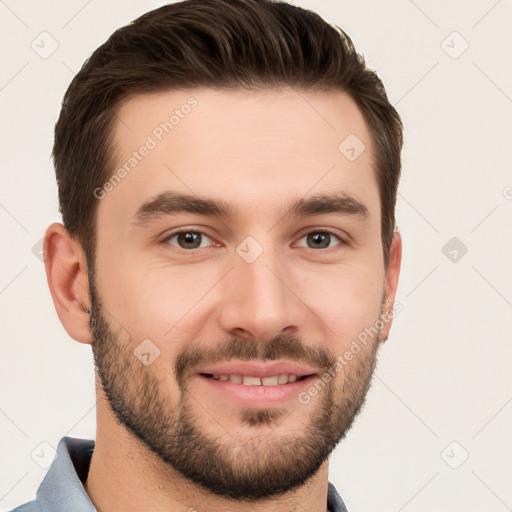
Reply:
x=274, y=460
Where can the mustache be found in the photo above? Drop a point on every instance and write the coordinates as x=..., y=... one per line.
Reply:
x=282, y=346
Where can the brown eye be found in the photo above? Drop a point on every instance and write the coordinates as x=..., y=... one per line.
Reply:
x=188, y=239
x=320, y=240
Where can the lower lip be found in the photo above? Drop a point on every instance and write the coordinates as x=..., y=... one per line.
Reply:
x=255, y=397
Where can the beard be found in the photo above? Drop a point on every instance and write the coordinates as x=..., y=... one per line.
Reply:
x=268, y=462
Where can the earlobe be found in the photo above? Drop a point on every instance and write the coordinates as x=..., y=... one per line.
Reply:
x=391, y=284
x=66, y=273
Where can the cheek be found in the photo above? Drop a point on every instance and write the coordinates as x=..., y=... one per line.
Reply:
x=346, y=299
x=155, y=300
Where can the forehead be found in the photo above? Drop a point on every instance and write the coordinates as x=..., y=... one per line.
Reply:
x=255, y=149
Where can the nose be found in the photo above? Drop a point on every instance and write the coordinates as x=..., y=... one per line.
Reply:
x=259, y=300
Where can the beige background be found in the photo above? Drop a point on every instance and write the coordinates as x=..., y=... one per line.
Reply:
x=442, y=390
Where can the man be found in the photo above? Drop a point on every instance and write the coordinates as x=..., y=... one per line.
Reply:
x=227, y=175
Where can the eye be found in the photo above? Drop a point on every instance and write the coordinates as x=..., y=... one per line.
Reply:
x=188, y=239
x=320, y=240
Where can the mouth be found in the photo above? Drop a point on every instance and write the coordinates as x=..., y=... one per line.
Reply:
x=255, y=385
x=251, y=380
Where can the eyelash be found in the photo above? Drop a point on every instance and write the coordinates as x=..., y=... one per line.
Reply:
x=322, y=230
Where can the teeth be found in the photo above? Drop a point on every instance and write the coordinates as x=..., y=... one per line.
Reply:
x=252, y=381
x=248, y=380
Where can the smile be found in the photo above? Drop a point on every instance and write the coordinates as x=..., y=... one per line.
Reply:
x=249, y=380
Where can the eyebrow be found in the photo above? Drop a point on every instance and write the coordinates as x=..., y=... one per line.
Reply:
x=168, y=203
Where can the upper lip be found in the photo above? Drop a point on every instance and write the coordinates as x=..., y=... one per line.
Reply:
x=258, y=369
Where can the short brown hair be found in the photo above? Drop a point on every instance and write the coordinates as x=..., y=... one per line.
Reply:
x=223, y=44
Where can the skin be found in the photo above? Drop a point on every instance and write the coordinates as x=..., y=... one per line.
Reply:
x=259, y=151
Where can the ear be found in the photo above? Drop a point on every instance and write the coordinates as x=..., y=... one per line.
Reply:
x=66, y=272
x=391, y=284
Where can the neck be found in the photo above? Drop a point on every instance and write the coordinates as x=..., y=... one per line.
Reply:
x=125, y=475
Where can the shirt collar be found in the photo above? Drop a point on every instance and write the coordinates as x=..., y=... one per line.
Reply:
x=334, y=501
x=61, y=489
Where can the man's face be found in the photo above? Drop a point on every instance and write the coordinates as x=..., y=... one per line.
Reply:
x=208, y=342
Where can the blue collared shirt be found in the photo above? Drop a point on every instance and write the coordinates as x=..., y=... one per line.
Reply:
x=62, y=490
